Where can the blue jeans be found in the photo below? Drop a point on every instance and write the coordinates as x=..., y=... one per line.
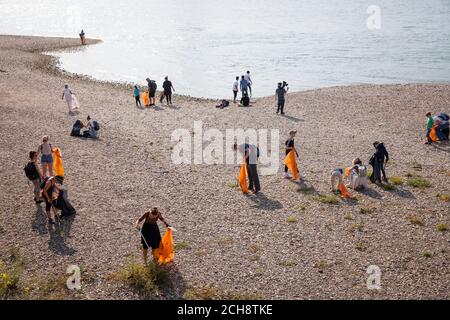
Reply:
x=428, y=136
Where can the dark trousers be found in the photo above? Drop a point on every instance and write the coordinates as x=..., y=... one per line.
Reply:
x=138, y=101
x=285, y=167
x=280, y=106
x=168, y=97
x=252, y=173
x=428, y=136
x=376, y=171
x=235, y=95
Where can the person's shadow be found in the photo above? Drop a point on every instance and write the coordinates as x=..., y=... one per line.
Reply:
x=264, y=203
x=442, y=147
x=58, y=233
x=402, y=193
x=371, y=193
x=39, y=224
x=292, y=118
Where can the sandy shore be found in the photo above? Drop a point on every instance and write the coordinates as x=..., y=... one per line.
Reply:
x=236, y=244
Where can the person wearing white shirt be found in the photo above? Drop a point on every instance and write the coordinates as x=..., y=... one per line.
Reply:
x=249, y=81
x=235, y=88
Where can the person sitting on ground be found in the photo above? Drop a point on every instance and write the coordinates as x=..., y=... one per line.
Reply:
x=34, y=175
x=358, y=175
x=336, y=180
x=91, y=128
x=137, y=96
x=150, y=235
x=441, y=124
x=51, y=188
x=46, y=151
x=76, y=128
x=223, y=104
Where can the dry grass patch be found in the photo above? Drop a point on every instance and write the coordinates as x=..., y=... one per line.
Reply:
x=427, y=254
x=327, y=199
x=419, y=182
x=292, y=219
x=367, y=210
x=397, y=181
x=182, y=245
x=415, y=220
x=443, y=197
x=442, y=227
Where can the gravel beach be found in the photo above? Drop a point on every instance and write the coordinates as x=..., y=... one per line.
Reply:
x=279, y=244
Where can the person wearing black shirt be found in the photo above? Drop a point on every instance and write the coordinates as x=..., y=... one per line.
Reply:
x=378, y=162
x=251, y=155
x=168, y=87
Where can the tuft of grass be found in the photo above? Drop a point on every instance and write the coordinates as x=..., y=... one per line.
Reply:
x=321, y=265
x=225, y=241
x=232, y=185
x=286, y=263
x=10, y=273
x=367, y=210
x=415, y=220
x=357, y=227
x=302, y=207
x=388, y=187
x=51, y=288
x=292, y=219
x=183, y=245
x=150, y=278
x=328, y=199
x=443, y=197
x=305, y=189
x=419, y=182
x=348, y=216
x=397, y=181
x=442, y=227
x=360, y=246
x=427, y=254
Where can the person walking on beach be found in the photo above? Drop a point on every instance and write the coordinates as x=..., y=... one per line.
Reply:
x=70, y=98
x=168, y=87
x=235, y=88
x=251, y=155
x=430, y=124
x=46, y=152
x=249, y=82
x=280, y=94
x=137, y=96
x=34, y=175
x=290, y=146
x=82, y=37
x=150, y=235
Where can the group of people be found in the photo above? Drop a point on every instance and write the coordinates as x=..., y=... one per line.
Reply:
x=47, y=180
x=150, y=95
x=245, y=86
x=91, y=128
x=440, y=125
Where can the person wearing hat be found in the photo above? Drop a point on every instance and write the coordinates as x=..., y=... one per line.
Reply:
x=280, y=94
x=290, y=146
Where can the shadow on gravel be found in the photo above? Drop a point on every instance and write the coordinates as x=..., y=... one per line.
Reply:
x=445, y=147
x=39, y=224
x=292, y=118
x=58, y=234
x=371, y=193
x=264, y=203
x=402, y=193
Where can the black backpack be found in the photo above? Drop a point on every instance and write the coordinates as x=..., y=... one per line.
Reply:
x=154, y=86
x=96, y=125
x=245, y=101
x=31, y=171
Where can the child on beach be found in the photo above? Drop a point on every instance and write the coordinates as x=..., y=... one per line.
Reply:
x=430, y=124
x=150, y=235
x=137, y=94
x=46, y=151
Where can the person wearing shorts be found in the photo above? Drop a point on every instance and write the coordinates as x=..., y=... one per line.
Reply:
x=46, y=152
x=150, y=235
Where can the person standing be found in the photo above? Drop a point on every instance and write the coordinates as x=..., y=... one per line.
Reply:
x=235, y=88
x=280, y=94
x=168, y=87
x=82, y=37
x=290, y=146
x=151, y=91
x=46, y=152
x=137, y=94
x=150, y=235
x=251, y=155
x=244, y=87
x=67, y=95
x=34, y=175
x=430, y=124
x=378, y=160
x=249, y=82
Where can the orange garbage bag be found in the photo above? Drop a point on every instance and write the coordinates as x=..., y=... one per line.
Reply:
x=433, y=135
x=165, y=253
x=242, y=178
x=144, y=98
x=290, y=162
x=348, y=170
x=344, y=192
x=57, y=163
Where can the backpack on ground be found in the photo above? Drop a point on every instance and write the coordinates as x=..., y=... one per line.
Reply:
x=96, y=125
x=31, y=171
x=245, y=101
